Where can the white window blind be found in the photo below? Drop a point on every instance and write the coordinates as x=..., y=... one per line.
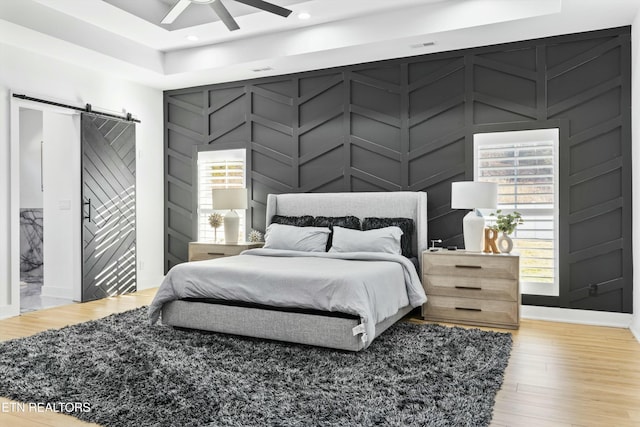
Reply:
x=218, y=169
x=525, y=170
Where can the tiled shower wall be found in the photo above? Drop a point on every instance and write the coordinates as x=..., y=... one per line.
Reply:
x=31, y=244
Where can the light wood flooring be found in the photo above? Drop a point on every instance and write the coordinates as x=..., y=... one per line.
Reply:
x=559, y=374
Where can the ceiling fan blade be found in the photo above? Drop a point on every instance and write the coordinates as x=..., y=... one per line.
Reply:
x=175, y=11
x=224, y=15
x=268, y=7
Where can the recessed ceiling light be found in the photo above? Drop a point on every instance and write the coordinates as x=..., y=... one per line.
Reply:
x=304, y=15
x=192, y=38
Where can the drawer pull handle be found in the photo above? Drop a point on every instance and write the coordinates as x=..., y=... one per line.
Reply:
x=468, y=309
x=216, y=253
x=468, y=266
x=469, y=287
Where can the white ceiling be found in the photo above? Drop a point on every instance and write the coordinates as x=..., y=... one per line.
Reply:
x=98, y=34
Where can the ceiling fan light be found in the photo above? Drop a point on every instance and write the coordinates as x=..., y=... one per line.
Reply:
x=202, y=1
x=304, y=16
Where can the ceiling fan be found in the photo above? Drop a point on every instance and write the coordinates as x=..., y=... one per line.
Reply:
x=222, y=11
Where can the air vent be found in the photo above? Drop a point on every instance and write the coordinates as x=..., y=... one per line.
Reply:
x=421, y=45
x=260, y=70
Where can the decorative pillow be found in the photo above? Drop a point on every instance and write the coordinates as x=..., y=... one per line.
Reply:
x=290, y=237
x=405, y=224
x=379, y=240
x=352, y=222
x=298, y=221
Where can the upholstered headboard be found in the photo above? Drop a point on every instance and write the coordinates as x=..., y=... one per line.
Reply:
x=405, y=204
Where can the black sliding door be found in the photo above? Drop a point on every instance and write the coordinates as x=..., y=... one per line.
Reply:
x=108, y=193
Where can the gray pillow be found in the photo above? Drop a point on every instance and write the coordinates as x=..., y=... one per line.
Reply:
x=385, y=239
x=405, y=224
x=289, y=237
x=352, y=222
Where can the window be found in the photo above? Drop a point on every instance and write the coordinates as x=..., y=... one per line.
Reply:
x=525, y=166
x=218, y=169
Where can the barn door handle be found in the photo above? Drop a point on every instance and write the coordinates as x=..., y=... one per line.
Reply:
x=88, y=216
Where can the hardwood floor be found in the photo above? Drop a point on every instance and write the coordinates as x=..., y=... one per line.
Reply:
x=559, y=374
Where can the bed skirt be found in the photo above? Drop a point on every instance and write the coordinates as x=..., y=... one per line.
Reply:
x=311, y=329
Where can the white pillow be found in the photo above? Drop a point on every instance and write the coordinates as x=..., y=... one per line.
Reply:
x=385, y=239
x=307, y=239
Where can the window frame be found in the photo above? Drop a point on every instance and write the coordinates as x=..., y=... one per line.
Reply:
x=239, y=152
x=530, y=135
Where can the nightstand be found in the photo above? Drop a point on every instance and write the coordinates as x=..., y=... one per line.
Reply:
x=199, y=251
x=472, y=288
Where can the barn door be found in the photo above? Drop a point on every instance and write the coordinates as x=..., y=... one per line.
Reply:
x=108, y=194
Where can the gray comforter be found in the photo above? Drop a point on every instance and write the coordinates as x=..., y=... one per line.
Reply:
x=371, y=285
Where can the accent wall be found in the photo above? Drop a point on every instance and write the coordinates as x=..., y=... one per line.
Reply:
x=408, y=124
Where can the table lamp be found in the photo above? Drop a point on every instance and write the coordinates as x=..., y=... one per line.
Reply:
x=230, y=198
x=474, y=195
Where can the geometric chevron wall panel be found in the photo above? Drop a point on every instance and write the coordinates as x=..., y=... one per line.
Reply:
x=408, y=124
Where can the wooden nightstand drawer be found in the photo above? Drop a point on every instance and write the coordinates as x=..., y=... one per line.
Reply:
x=200, y=251
x=476, y=311
x=471, y=287
x=201, y=256
x=493, y=266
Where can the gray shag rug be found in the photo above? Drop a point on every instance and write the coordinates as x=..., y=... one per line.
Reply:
x=133, y=374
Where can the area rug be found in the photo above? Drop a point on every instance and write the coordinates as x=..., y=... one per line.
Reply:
x=119, y=371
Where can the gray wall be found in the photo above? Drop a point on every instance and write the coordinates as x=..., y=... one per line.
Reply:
x=408, y=124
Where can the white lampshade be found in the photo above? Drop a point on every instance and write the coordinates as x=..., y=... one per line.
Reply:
x=474, y=195
x=229, y=198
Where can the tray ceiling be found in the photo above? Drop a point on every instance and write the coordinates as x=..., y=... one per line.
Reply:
x=123, y=37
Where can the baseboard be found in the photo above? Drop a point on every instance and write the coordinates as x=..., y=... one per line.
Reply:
x=584, y=317
x=7, y=311
x=56, y=292
x=635, y=330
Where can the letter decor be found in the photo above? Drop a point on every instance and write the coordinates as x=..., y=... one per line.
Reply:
x=490, y=237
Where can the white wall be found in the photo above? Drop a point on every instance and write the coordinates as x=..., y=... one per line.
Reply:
x=35, y=75
x=635, y=132
x=30, y=158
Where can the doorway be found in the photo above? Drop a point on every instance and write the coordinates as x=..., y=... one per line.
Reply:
x=49, y=244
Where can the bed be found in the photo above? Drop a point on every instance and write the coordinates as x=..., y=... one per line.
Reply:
x=282, y=313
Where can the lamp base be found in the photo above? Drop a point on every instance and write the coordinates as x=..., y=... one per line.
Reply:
x=473, y=229
x=231, y=226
